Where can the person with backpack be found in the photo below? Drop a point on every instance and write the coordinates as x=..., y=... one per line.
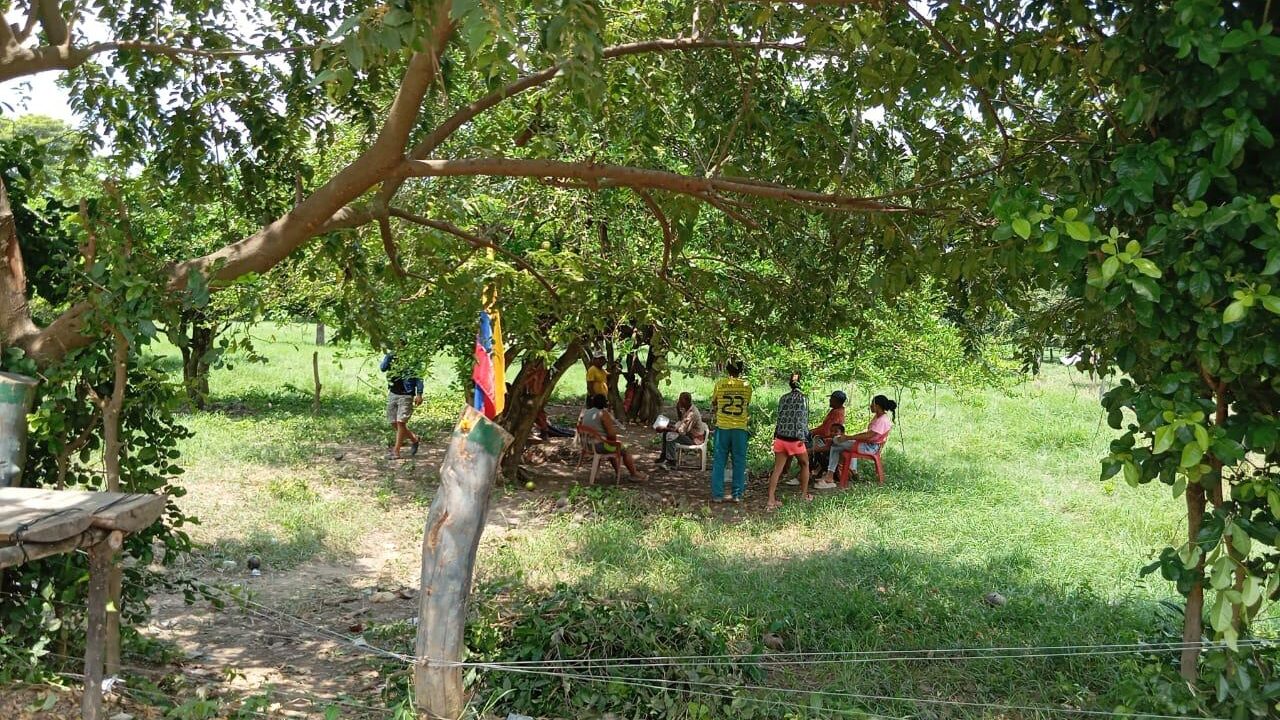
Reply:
x=404, y=393
x=789, y=440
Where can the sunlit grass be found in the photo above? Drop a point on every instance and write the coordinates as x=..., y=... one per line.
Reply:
x=990, y=490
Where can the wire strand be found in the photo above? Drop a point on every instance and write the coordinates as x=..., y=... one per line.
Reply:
x=800, y=658
x=864, y=696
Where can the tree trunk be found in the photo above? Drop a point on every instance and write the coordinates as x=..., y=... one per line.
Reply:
x=648, y=401
x=1193, y=618
x=198, y=336
x=112, y=449
x=319, y=333
x=523, y=407
x=454, y=525
x=101, y=562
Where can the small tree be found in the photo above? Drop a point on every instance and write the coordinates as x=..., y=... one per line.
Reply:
x=1170, y=244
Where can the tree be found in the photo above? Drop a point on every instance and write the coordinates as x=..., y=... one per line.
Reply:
x=557, y=57
x=1168, y=238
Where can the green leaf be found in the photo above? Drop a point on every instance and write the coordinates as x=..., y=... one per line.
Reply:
x=1131, y=474
x=1132, y=247
x=1022, y=227
x=1109, y=268
x=1190, y=554
x=1273, y=261
x=1191, y=454
x=1241, y=541
x=1164, y=439
x=1178, y=488
x=1202, y=437
x=1078, y=230
x=1234, y=40
x=1198, y=184
x=1220, y=615
x=1271, y=302
x=1252, y=590
x=1146, y=267
x=1275, y=201
x=1234, y=312
x=1273, y=499
x=1222, y=573
x=1145, y=287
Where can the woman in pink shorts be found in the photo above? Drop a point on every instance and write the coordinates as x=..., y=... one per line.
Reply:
x=788, y=440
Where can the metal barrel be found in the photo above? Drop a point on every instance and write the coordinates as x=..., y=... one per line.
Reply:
x=17, y=392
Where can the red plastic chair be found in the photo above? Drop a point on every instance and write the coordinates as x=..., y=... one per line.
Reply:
x=848, y=457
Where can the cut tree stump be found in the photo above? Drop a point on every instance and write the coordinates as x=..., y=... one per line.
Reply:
x=452, y=536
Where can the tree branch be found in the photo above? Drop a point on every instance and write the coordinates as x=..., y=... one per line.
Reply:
x=464, y=115
x=598, y=176
x=668, y=238
x=389, y=245
x=16, y=62
x=265, y=248
x=476, y=241
x=29, y=26
x=16, y=324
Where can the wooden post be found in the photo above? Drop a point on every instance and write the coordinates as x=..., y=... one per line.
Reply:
x=454, y=525
x=101, y=560
x=315, y=377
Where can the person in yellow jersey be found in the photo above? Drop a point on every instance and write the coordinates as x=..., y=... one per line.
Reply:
x=597, y=378
x=730, y=406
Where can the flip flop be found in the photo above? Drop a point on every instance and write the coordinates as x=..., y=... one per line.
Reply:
x=413, y=448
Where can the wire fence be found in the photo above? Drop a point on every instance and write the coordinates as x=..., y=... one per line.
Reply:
x=607, y=669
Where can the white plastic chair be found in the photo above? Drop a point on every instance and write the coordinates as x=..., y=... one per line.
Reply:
x=700, y=449
x=587, y=439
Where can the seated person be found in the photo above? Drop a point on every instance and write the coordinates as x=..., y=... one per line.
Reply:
x=534, y=388
x=604, y=432
x=869, y=440
x=548, y=429
x=688, y=430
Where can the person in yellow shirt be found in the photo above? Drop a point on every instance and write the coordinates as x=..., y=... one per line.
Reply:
x=730, y=406
x=597, y=378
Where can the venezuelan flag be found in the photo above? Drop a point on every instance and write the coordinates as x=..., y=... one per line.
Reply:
x=488, y=373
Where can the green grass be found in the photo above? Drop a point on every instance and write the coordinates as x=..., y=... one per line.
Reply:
x=988, y=490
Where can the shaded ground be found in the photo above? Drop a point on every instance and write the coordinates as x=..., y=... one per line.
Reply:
x=294, y=638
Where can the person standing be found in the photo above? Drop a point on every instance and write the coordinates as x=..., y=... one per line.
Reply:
x=730, y=406
x=404, y=393
x=597, y=378
x=788, y=440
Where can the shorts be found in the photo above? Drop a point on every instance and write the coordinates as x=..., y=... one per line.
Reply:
x=868, y=448
x=399, y=408
x=789, y=447
x=604, y=448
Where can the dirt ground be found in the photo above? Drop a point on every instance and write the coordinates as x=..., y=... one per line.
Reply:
x=295, y=648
